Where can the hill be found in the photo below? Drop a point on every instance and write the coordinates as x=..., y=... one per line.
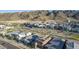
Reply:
x=41, y=15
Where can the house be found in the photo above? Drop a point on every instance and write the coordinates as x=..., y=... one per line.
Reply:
x=41, y=25
x=76, y=30
x=55, y=43
x=28, y=25
x=26, y=40
x=76, y=45
x=9, y=27
x=17, y=35
x=50, y=25
x=29, y=33
x=69, y=44
x=3, y=33
x=2, y=26
x=14, y=33
x=38, y=25
x=58, y=43
x=21, y=35
x=30, y=39
x=58, y=27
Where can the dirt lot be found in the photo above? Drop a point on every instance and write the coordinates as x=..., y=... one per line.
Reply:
x=11, y=44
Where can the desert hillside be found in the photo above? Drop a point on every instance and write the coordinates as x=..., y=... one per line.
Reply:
x=41, y=15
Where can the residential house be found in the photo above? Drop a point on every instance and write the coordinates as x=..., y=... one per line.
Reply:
x=30, y=39
x=55, y=43
x=2, y=26
x=17, y=35
x=69, y=44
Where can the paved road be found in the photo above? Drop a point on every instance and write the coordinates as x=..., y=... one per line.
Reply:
x=8, y=45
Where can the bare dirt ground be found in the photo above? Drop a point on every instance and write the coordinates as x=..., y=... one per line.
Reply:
x=10, y=44
x=18, y=21
x=2, y=47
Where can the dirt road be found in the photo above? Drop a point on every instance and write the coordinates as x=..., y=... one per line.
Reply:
x=8, y=45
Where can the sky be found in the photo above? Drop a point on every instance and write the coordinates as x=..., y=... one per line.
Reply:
x=11, y=11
